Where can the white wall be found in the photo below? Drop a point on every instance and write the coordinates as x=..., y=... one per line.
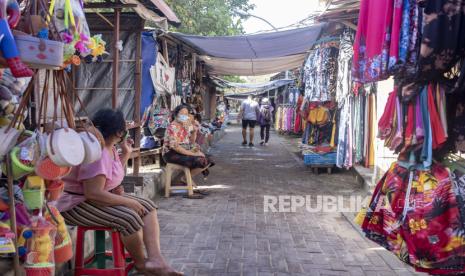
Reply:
x=384, y=156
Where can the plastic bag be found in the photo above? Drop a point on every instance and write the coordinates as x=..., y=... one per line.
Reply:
x=63, y=25
x=74, y=30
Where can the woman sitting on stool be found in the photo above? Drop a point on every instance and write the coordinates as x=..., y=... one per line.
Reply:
x=179, y=148
x=94, y=197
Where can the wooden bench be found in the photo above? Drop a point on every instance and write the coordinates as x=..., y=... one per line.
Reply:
x=131, y=182
x=153, y=153
x=137, y=156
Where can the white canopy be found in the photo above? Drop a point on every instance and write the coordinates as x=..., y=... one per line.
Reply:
x=251, y=55
x=252, y=67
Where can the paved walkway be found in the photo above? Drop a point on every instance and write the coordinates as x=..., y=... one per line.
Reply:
x=228, y=232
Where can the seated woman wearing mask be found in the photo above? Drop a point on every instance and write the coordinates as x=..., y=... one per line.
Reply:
x=94, y=197
x=179, y=147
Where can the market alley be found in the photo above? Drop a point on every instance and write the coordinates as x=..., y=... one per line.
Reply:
x=228, y=233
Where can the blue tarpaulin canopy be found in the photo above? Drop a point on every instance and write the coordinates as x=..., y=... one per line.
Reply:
x=258, y=54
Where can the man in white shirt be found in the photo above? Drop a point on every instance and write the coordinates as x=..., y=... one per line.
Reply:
x=249, y=115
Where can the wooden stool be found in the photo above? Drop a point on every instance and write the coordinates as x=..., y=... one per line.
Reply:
x=170, y=167
x=96, y=264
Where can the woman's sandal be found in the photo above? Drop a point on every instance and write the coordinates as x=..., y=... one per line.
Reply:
x=194, y=196
x=202, y=192
x=206, y=173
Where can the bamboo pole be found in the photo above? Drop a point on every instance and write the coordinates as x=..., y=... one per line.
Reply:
x=114, y=96
x=12, y=211
x=137, y=101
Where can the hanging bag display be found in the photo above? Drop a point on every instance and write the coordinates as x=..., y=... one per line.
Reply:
x=10, y=134
x=159, y=116
x=64, y=145
x=163, y=76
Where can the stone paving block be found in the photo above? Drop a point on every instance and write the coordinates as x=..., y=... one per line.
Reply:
x=355, y=271
x=380, y=273
x=219, y=267
x=325, y=272
x=263, y=245
x=207, y=258
x=265, y=274
x=280, y=265
x=338, y=266
x=249, y=271
x=295, y=267
x=403, y=273
x=234, y=266
x=310, y=267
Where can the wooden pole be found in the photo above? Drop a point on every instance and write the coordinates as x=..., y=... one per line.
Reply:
x=12, y=211
x=165, y=51
x=137, y=100
x=114, y=96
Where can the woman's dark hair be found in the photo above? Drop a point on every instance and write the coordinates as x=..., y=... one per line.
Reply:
x=178, y=109
x=109, y=122
x=198, y=117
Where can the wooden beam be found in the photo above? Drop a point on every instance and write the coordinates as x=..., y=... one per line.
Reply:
x=114, y=96
x=105, y=19
x=165, y=51
x=108, y=6
x=349, y=24
x=173, y=41
x=137, y=99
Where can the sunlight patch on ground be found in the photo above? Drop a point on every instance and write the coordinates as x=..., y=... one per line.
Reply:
x=214, y=187
x=376, y=249
x=247, y=159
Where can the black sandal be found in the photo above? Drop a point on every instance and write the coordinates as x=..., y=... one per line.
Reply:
x=206, y=173
x=194, y=196
x=202, y=192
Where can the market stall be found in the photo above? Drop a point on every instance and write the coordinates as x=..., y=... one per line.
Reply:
x=44, y=120
x=416, y=210
x=41, y=136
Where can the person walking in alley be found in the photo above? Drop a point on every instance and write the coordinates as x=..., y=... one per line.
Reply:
x=249, y=114
x=265, y=119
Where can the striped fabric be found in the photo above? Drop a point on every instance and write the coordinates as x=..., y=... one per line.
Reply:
x=120, y=218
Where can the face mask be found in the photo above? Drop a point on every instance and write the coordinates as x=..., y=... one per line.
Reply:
x=183, y=118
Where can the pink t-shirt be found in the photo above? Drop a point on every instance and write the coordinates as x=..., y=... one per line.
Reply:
x=111, y=168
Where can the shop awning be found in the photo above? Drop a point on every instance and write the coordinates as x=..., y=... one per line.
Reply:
x=252, y=67
x=253, y=54
x=265, y=86
x=255, y=89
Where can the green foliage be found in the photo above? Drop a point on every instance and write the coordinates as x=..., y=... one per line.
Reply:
x=210, y=17
x=236, y=79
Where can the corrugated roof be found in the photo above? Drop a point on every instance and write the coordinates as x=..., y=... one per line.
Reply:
x=156, y=11
x=164, y=10
x=338, y=10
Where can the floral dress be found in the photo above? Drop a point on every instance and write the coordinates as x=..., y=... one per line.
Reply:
x=178, y=135
x=376, y=48
x=418, y=215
